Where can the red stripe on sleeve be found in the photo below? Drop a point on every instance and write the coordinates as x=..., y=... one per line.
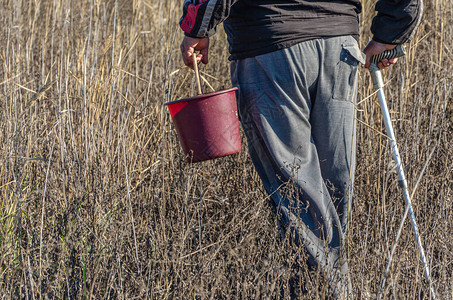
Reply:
x=188, y=22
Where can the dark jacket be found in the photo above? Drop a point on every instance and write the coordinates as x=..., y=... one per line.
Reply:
x=256, y=27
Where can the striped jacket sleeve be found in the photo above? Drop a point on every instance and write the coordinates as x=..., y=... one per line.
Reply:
x=396, y=20
x=200, y=17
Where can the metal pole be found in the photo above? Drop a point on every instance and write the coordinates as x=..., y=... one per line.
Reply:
x=378, y=84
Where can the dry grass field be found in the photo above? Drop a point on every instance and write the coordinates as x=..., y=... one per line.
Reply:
x=97, y=201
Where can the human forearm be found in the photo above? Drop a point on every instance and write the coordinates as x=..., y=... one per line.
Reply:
x=200, y=17
x=396, y=20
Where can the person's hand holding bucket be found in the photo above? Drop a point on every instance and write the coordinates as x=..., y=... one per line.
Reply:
x=207, y=125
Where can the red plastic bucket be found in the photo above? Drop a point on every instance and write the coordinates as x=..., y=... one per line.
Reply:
x=207, y=125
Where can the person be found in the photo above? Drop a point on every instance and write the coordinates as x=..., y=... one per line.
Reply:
x=295, y=63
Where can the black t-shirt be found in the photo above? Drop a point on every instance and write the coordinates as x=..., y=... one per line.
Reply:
x=257, y=27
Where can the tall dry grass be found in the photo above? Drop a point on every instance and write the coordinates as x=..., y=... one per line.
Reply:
x=98, y=202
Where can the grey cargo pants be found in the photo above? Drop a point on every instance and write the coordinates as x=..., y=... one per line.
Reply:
x=297, y=108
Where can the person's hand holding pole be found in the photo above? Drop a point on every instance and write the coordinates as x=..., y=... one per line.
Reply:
x=374, y=48
x=189, y=45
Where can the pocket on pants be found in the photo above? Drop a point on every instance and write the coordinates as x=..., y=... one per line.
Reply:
x=346, y=72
